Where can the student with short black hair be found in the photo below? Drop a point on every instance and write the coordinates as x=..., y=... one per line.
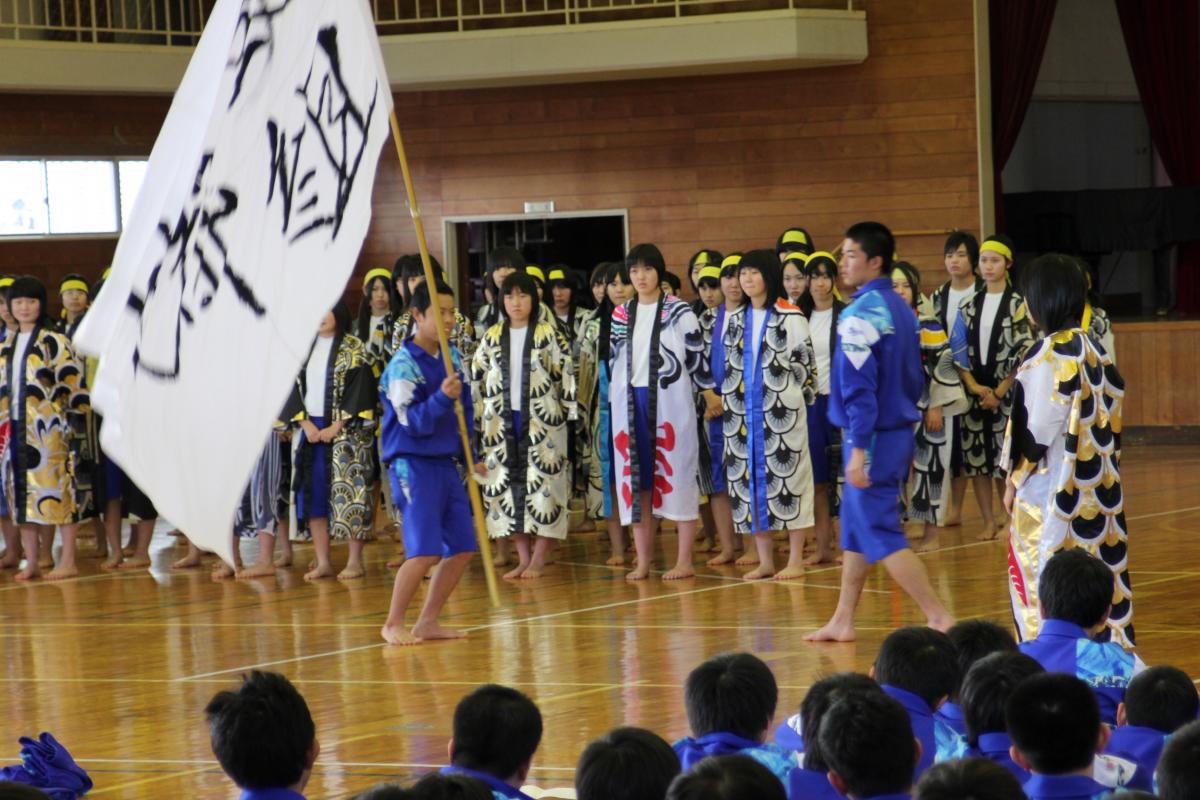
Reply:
x=497, y=730
x=671, y=283
x=1056, y=732
x=731, y=777
x=1178, y=775
x=264, y=737
x=701, y=259
x=1157, y=703
x=500, y=263
x=968, y=779
x=730, y=702
x=435, y=786
x=985, y=692
x=559, y=297
x=626, y=764
x=973, y=639
x=1062, y=450
x=801, y=733
x=408, y=274
x=917, y=667
x=794, y=240
x=867, y=741
x=795, y=278
x=1076, y=591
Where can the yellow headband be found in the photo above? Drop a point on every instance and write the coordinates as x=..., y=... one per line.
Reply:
x=557, y=275
x=901, y=275
x=795, y=237
x=996, y=247
x=6, y=282
x=535, y=272
x=104, y=275
x=377, y=273
x=75, y=284
x=822, y=254
x=730, y=261
x=796, y=255
x=710, y=271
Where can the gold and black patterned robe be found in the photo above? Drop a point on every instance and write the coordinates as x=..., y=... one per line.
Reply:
x=461, y=337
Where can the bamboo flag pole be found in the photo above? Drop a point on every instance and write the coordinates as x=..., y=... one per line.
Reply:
x=431, y=281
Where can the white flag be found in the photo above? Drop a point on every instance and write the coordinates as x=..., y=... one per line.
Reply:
x=245, y=232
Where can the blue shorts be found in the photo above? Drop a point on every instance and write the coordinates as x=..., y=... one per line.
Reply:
x=820, y=435
x=433, y=501
x=312, y=500
x=716, y=449
x=871, y=516
x=646, y=434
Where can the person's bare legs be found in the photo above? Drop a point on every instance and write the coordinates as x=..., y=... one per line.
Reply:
x=101, y=550
x=46, y=559
x=354, y=563
x=502, y=557
x=643, y=540
x=723, y=518
x=222, y=571
x=285, y=543
x=143, y=532
x=764, y=546
x=322, y=568
x=796, y=560
x=31, y=541
x=981, y=485
x=12, y=544
x=521, y=540
x=708, y=542
x=112, y=534
x=958, y=496
x=264, y=564
x=686, y=532
x=537, y=563
x=404, y=587
x=823, y=529
x=445, y=578
x=928, y=540
x=616, y=540
x=840, y=627
x=190, y=561
x=908, y=571
x=66, y=567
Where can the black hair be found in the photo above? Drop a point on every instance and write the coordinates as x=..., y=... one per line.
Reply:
x=986, y=689
x=649, y=255
x=672, y=280
x=918, y=660
x=75, y=276
x=11, y=790
x=709, y=282
x=30, y=287
x=341, y=316
x=1055, y=291
x=616, y=271
x=363, y=323
x=504, y=256
x=731, y=777
x=1077, y=587
x=1132, y=794
x=435, y=786
x=1054, y=721
x=1163, y=698
x=400, y=271
x=566, y=280
x=913, y=276
x=731, y=693
x=262, y=733
x=875, y=240
x=520, y=282
x=626, y=764
x=805, y=247
x=385, y=791
x=821, y=695
x=711, y=257
x=1006, y=241
x=600, y=273
x=820, y=264
x=958, y=239
x=1178, y=773
x=496, y=730
x=867, y=739
x=767, y=264
x=732, y=270
x=420, y=300
x=968, y=779
x=975, y=638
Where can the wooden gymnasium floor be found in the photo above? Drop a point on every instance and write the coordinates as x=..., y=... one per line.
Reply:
x=119, y=667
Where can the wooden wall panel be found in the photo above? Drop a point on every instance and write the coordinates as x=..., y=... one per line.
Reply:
x=1158, y=362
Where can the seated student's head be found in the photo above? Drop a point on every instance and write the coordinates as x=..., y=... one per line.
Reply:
x=1163, y=698
x=1132, y=794
x=262, y=733
x=1076, y=587
x=975, y=638
x=968, y=779
x=1178, y=774
x=434, y=786
x=20, y=791
x=626, y=764
x=496, y=731
x=866, y=738
x=821, y=695
x=727, y=778
x=731, y=693
x=918, y=660
x=1054, y=722
x=987, y=687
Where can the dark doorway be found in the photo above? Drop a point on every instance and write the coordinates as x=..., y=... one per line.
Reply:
x=579, y=243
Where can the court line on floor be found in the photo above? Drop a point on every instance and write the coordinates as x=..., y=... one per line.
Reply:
x=797, y=582
x=212, y=763
x=155, y=779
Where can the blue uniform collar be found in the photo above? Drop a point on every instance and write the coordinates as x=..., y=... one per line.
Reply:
x=494, y=783
x=692, y=749
x=270, y=794
x=951, y=711
x=1062, y=786
x=913, y=703
x=880, y=284
x=998, y=742
x=1061, y=629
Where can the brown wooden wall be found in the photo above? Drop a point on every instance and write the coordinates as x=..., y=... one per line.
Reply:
x=1158, y=361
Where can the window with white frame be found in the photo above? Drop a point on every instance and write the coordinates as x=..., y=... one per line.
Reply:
x=67, y=196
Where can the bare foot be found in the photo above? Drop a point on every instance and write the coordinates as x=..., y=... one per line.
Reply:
x=127, y=552
x=30, y=573
x=62, y=573
x=640, y=573
x=397, y=635
x=788, y=573
x=501, y=560
x=722, y=558
x=222, y=572
x=616, y=560
x=135, y=563
x=952, y=522
x=748, y=559
x=817, y=558
x=395, y=563
x=758, y=574
x=319, y=572
x=425, y=632
x=10, y=561
x=832, y=632
x=516, y=571
x=988, y=534
x=532, y=572
x=187, y=562
x=284, y=560
x=941, y=623
x=257, y=571
x=927, y=543
x=45, y=563
x=113, y=563
x=679, y=572
x=351, y=572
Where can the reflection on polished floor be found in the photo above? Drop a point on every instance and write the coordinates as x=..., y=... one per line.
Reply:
x=119, y=667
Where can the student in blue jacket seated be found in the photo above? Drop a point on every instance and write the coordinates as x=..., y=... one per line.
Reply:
x=496, y=732
x=431, y=787
x=973, y=639
x=810, y=780
x=730, y=702
x=918, y=667
x=985, y=693
x=1158, y=702
x=263, y=737
x=730, y=777
x=968, y=779
x=867, y=742
x=626, y=764
x=1076, y=592
x=1054, y=722
x=1178, y=776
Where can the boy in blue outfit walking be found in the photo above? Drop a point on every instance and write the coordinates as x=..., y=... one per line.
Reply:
x=876, y=382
